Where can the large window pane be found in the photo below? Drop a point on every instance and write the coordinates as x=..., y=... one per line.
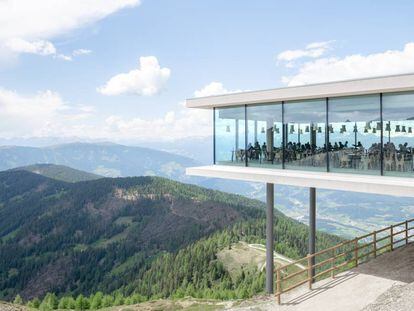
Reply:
x=264, y=135
x=230, y=136
x=355, y=134
x=305, y=124
x=398, y=120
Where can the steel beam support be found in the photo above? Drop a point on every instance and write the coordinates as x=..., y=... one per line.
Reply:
x=269, y=238
x=312, y=224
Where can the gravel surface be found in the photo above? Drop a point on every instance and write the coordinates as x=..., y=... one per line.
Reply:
x=8, y=307
x=397, y=298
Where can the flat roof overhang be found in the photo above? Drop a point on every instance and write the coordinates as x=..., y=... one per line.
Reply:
x=386, y=84
x=386, y=185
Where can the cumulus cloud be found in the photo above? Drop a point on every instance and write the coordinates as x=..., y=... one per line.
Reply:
x=39, y=47
x=46, y=114
x=354, y=66
x=41, y=114
x=172, y=125
x=28, y=26
x=312, y=50
x=67, y=58
x=79, y=52
x=149, y=79
x=214, y=88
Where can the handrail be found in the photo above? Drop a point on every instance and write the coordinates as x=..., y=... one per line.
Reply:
x=349, y=257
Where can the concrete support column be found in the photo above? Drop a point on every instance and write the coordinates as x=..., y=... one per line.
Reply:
x=312, y=224
x=269, y=237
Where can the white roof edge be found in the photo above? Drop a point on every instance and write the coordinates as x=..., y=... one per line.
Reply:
x=372, y=85
x=396, y=186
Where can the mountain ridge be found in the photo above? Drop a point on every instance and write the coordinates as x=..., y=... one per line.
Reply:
x=59, y=172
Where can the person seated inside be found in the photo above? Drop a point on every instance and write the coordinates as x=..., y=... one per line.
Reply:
x=341, y=145
x=336, y=146
x=264, y=150
x=257, y=149
x=330, y=147
x=403, y=148
x=359, y=146
x=250, y=150
x=346, y=144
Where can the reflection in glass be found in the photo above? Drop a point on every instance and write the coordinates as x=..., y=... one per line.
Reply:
x=230, y=136
x=355, y=134
x=264, y=135
x=305, y=124
x=398, y=118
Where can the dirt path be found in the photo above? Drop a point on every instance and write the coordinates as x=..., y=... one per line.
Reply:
x=276, y=256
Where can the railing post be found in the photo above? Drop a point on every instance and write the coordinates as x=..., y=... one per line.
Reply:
x=375, y=243
x=310, y=277
x=392, y=238
x=356, y=251
x=333, y=263
x=406, y=232
x=278, y=293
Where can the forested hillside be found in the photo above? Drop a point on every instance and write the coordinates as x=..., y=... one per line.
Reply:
x=145, y=235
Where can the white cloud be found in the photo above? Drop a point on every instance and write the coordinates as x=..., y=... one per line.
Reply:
x=46, y=114
x=64, y=57
x=214, y=88
x=149, y=79
x=173, y=125
x=28, y=26
x=38, y=115
x=81, y=52
x=354, y=66
x=312, y=50
x=39, y=47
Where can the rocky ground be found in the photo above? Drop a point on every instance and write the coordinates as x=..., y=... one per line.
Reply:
x=9, y=307
x=398, y=298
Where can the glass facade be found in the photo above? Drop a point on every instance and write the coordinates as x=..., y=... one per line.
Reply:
x=355, y=134
x=305, y=124
x=264, y=135
x=229, y=136
x=398, y=141
x=370, y=134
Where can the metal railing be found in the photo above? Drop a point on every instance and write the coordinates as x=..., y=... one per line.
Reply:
x=341, y=257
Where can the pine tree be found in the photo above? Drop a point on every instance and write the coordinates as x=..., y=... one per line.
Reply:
x=96, y=301
x=18, y=300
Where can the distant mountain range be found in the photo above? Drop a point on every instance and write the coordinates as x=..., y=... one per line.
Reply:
x=105, y=159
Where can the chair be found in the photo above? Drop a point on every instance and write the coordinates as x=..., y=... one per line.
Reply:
x=389, y=161
x=344, y=161
x=365, y=163
x=400, y=163
x=319, y=159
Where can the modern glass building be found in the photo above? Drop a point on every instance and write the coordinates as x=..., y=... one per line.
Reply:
x=368, y=134
x=354, y=135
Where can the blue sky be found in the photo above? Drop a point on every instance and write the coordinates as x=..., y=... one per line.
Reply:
x=207, y=46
